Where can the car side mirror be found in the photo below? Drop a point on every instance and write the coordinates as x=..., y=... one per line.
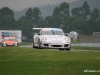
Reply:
x=38, y=33
x=66, y=34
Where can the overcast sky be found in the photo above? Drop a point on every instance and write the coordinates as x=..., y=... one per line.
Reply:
x=22, y=4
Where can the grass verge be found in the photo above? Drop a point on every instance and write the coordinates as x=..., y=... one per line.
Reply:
x=28, y=61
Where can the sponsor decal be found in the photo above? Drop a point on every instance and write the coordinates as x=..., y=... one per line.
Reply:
x=10, y=34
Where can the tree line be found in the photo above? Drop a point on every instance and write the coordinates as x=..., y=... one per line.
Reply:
x=82, y=19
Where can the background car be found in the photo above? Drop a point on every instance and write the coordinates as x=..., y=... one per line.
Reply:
x=10, y=41
x=51, y=38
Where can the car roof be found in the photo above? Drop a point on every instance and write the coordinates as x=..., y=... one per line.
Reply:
x=47, y=29
x=9, y=38
x=52, y=29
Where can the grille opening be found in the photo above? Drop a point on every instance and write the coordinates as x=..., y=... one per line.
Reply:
x=66, y=45
x=46, y=45
x=56, y=45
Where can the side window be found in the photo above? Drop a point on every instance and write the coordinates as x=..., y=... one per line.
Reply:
x=40, y=33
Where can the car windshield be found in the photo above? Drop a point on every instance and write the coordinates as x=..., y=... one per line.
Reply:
x=52, y=32
x=9, y=39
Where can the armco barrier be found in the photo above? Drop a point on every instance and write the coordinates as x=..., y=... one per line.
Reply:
x=89, y=39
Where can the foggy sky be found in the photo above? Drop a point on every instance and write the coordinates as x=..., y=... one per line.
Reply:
x=22, y=4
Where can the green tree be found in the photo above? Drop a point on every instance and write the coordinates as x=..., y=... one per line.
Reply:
x=27, y=22
x=26, y=26
x=64, y=8
x=56, y=11
x=86, y=10
x=7, y=20
x=81, y=12
x=29, y=14
x=6, y=11
x=60, y=14
x=77, y=12
x=94, y=20
x=47, y=21
x=36, y=15
x=41, y=23
x=95, y=14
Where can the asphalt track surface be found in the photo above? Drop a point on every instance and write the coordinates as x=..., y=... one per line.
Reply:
x=30, y=46
x=72, y=50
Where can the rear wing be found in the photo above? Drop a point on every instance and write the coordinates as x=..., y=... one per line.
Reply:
x=37, y=28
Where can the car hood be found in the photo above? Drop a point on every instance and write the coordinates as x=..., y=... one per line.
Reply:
x=55, y=37
x=10, y=42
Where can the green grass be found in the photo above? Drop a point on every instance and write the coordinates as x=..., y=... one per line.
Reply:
x=28, y=61
x=25, y=43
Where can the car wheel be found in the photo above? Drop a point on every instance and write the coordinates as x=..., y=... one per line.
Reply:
x=2, y=45
x=17, y=44
x=39, y=43
x=67, y=49
x=61, y=49
x=33, y=44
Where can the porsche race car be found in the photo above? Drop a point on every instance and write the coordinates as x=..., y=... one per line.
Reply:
x=51, y=38
x=9, y=41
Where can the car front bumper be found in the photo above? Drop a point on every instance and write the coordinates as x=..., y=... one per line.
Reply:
x=5, y=44
x=56, y=45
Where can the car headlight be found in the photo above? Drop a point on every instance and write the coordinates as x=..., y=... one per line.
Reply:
x=4, y=42
x=15, y=42
x=44, y=38
x=67, y=39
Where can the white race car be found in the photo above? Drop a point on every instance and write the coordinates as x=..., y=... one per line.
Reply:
x=51, y=38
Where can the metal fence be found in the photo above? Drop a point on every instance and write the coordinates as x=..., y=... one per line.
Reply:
x=88, y=40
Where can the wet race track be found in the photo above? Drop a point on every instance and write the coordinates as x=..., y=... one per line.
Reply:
x=30, y=46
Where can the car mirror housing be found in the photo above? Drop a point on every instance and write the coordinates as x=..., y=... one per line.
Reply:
x=38, y=33
x=66, y=34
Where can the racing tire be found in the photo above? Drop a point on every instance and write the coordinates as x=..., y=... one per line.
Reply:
x=17, y=44
x=2, y=45
x=39, y=47
x=67, y=49
x=33, y=44
x=61, y=49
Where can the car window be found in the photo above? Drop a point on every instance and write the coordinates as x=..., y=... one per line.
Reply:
x=47, y=32
x=52, y=32
x=9, y=39
x=56, y=32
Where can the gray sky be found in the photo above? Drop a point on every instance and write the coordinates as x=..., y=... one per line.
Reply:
x=22, y=4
